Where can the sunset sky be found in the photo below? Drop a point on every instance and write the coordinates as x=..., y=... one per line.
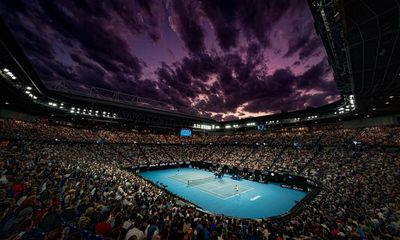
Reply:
x=226, y=59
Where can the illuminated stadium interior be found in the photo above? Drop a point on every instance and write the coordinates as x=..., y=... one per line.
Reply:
x=195, y=120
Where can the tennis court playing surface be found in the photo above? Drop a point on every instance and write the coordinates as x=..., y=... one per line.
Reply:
x=219, y=188
x=252, y=200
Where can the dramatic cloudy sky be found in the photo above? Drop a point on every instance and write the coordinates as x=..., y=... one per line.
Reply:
x=224, y=58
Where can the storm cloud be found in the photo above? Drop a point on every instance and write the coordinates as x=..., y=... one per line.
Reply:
x=226, y=59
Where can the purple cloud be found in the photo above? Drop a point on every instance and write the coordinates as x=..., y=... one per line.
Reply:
x=226, y=59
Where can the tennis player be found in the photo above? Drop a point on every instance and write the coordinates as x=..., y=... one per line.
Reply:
x=237, y=189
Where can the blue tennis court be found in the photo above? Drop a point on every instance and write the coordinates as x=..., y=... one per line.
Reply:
x=250, y=200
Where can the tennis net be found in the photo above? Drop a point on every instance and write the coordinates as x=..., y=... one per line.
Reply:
x=199, y=181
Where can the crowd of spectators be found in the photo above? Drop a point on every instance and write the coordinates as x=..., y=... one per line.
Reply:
x=360, y=194
x=379, y=136
x=81, y=189
x=328, y=135
x=293, y=159
x=262, y=157
x=338, y=136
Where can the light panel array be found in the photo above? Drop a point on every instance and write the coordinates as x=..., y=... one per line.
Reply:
x=9, y=73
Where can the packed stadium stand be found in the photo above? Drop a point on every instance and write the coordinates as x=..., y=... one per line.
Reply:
x=79, y=184
x=82, y=125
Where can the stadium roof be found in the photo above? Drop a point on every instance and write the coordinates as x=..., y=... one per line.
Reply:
x=362, y=41
x=372, y=29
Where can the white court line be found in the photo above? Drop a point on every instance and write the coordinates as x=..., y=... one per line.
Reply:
x=202, y=190
x=181, y=179
x=247, y=190
x=185, y=177
x=208, y=192
x=217, y=185
x=211, y=191
x=229, y=186
x=239, y=193
x=220, y=187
